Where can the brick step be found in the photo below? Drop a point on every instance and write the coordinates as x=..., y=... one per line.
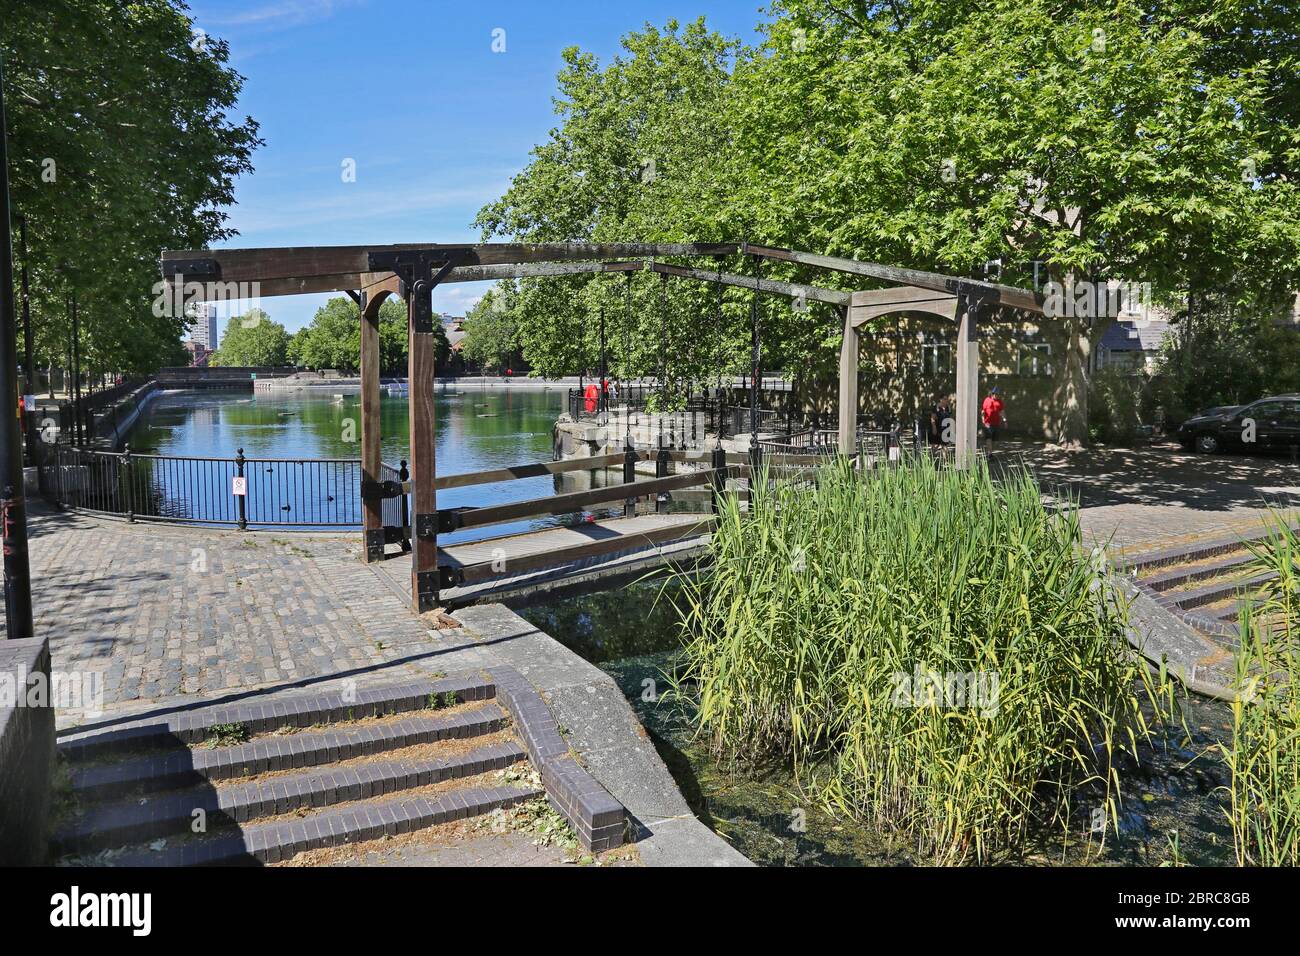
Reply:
x=170, y=770
x=276, y=841
x=1212, y=592
x=178, y=730
x=171, y=814
x=1172, y=578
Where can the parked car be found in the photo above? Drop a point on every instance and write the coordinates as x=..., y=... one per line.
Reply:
x=1269, y=425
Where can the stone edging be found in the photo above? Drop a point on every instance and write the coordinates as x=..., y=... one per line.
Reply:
x=604, y=738
x=597, y=818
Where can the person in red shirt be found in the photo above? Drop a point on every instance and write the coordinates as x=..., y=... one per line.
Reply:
x=589, y=396
x=991, y=414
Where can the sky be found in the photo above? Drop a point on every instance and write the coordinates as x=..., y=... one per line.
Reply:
x=434, y=120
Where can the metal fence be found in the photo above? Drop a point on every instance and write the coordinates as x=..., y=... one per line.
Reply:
x=873, y=444
x=240, y=492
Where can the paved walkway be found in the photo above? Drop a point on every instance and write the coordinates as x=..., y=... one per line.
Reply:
x=160, y=612
x=1139, y=499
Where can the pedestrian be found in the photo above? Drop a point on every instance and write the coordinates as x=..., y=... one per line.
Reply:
x=940, y=421
x=992, y=414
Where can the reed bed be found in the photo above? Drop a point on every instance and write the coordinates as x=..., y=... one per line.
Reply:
x=1264, y=758
x=932, y=650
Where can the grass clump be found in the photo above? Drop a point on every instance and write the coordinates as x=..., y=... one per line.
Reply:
x=932, y=650
x=1264, y=757
x=225, y=735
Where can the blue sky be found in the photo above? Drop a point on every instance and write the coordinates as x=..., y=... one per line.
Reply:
x=411, y=90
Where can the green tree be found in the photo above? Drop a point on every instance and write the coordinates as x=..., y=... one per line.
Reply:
x=333, y=339
x=1107, y=138
x=1221, y=353
x=252, y=339
x=490, y=341
x=641, y=140
x=121, y=144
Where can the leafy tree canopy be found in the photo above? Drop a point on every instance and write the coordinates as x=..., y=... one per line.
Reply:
x=1157, y=143
x=121, y=144
x=252, y=339
x=333, y=340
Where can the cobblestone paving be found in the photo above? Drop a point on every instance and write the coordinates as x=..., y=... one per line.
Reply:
x=161, y=612
x=1139, y=499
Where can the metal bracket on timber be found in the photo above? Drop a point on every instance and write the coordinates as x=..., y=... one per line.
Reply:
x=449, y=577
x=205, y=267
x=380, y=490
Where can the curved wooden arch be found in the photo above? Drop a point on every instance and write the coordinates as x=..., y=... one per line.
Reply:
x=874, y=304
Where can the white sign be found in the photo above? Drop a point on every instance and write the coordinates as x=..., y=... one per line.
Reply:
x=29, y=403
x=239, y=486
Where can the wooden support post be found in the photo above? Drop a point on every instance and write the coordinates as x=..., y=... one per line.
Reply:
x=849, y=387
x=968, y=387
x=372, y=515
x=421, y=360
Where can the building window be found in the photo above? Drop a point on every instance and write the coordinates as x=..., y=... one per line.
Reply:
x=1035, y=360
x=936, y=356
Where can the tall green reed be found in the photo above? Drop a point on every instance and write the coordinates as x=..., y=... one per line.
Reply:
x=933, y=651
x=1264, y=756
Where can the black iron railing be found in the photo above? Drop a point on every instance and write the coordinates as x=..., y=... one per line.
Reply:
x=736, y=421
x=239, y=491
x=823, y=441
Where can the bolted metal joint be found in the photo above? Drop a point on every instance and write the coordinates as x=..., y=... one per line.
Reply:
x=425, y=586
x=426, y=527
x=375, y=541
x=380, y=490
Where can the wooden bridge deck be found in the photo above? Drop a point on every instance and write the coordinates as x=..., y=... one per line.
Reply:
x=641, y=555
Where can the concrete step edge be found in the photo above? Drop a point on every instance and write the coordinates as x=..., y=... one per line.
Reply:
x=168, y=770
x=349, y=823
x=172, y=814
x=178, y=730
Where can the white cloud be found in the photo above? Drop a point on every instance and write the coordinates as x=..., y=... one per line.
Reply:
x=286, y=13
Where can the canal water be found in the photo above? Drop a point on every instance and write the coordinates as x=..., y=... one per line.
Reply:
x=476, y=430
x=1172, y=802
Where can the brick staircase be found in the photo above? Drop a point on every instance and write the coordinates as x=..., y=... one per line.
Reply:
x=263, y=780
x=1204, y=584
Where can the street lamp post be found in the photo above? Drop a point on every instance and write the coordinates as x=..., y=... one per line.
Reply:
x=13, y=506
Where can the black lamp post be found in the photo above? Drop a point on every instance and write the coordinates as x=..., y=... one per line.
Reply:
x=13, y=506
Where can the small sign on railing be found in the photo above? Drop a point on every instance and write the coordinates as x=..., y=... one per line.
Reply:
x=239, y=486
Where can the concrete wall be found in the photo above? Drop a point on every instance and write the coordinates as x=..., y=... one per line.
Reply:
x=26, y=753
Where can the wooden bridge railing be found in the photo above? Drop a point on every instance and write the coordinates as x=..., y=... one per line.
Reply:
x=628, y=491
x=719, y=468
x=455, y=519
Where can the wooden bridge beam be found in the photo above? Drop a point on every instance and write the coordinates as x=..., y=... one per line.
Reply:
x=421, y=370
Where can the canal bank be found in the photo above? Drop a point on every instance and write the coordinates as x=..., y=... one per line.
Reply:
x=1171, y=801
x=166, y=619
